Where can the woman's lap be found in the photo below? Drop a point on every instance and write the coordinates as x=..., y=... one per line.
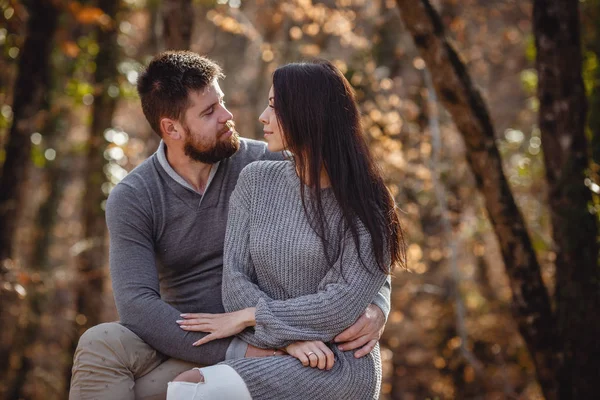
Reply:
x=288, y=377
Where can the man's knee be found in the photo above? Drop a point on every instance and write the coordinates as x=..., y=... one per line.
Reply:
x=106, y=362
x=110, y=335
x=112, y=344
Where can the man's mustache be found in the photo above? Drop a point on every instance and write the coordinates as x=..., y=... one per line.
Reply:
x=228, y=125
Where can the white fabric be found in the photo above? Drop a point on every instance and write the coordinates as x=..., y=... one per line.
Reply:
x=220, y=382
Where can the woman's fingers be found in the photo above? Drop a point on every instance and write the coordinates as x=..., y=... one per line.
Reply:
x=193, y=321
x=197, y=315
x=205, y=339
x=197, y=328
x=301, y=356
x=329, y=356
x=318, y=355
x=197, y=325
x=315, y=354
x=313, y=358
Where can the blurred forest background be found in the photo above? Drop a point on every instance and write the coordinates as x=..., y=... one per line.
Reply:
x=476, y=112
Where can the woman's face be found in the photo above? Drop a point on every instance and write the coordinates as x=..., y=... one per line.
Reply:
x=273, y=134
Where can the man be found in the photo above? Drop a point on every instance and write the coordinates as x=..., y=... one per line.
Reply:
x=166, y=223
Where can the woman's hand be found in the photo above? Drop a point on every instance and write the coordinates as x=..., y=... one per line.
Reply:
x=218, y=325
x=312, y=353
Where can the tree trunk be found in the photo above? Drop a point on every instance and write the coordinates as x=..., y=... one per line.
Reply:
x=38, y=292
x=29, y=98
x=531, y=304
x=91, y=260
x=177, y=23
x=591, y=24
x=562, y=121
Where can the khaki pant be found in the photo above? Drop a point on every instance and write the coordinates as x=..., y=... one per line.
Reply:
x=113, y=363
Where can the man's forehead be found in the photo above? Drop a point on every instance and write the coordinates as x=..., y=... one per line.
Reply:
x=212, y=87
x=208, y=94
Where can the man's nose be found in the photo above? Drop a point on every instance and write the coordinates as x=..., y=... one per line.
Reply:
x=226, y=115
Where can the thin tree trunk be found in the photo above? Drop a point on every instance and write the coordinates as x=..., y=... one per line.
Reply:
x=531, y=304
x=562, y=120
x=91, y=260
x=29, y=98
x=38, y=294
x=177, y=24
x=591, y=10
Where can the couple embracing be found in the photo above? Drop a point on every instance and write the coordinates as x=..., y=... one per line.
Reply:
x=245, y=270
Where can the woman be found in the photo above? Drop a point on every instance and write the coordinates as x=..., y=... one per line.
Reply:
x=309, y=243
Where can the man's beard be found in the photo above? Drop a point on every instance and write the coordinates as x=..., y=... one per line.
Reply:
x=212, y=154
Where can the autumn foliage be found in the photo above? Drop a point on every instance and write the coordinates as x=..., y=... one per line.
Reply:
x=463, y=325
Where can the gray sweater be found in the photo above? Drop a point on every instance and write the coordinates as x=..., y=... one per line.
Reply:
x=166, y=251
x=275, y=261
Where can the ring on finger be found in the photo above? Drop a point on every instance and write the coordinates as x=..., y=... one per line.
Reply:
x=310, y=353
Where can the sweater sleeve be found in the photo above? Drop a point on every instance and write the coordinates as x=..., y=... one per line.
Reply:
x=382, y=299
x=342, y=296
x=136, y=284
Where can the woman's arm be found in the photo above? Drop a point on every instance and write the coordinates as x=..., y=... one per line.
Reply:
x=342, y=296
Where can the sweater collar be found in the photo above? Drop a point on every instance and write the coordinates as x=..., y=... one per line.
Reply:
x=162, y=160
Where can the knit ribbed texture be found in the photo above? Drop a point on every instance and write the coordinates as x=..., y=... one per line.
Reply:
x=274, y=261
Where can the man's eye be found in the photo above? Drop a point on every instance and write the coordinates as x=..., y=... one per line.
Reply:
x=210, y=111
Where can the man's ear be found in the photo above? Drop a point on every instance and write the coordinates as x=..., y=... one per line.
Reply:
x=171, y=128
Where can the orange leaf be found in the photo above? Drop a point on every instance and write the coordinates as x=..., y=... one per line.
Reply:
x=89, y=15
x=70, y=48
x=74, y=7
x=23, y=278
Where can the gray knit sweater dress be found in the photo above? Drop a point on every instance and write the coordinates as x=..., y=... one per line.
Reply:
x=274, y=261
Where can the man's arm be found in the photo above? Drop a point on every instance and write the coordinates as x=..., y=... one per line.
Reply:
x=363, y=335
x=136, y=284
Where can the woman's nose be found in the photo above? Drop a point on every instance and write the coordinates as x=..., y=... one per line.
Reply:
x=262, y=118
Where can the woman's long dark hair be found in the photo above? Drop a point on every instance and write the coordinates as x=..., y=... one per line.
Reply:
x=317, y=112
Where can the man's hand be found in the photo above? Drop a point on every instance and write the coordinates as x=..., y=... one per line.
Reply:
x=254, y=351
x=364, y=334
